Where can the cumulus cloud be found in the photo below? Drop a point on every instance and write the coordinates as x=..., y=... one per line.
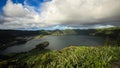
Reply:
x=81, y=11
x=61, y=12
x=14, y=10
x=19, y=16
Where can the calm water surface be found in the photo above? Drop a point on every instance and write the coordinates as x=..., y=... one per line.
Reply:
x=57, y=42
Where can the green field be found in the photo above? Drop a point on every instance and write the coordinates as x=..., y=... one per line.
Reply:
x=70, y=57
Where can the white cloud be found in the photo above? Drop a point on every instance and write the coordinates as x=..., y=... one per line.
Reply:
x=14, y=10
x=19, y=16
x=80, y=11
x=61, y=12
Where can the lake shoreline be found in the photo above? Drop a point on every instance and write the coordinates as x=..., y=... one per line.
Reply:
x=58, y=42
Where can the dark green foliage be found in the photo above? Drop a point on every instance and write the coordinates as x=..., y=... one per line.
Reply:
x=70, y=57
x=107, y=41
x=42, y=45
x=111, y=35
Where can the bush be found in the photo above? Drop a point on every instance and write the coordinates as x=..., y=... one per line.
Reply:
x=71, y=57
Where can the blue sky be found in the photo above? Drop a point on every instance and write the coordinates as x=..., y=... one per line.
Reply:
x=2, y=3
x=35, y=3
x=59, y=14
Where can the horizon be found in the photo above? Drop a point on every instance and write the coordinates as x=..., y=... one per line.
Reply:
x=59, y=33
x=56, y=29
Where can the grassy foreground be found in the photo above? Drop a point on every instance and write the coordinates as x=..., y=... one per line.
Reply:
x=70, y=57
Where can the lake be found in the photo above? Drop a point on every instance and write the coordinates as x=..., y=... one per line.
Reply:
x=57, y=43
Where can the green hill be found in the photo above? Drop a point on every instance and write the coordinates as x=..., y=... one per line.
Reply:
x=70, y=57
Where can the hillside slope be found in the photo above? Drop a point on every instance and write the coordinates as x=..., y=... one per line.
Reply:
x=70, y=57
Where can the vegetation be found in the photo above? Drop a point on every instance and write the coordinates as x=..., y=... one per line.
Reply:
x=42, y=45
x=107, y=56
x=113, y=32
x=112, y=35
x=14, y=37
x=70, y=57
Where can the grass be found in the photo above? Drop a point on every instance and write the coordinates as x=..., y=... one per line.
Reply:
x=70, y=57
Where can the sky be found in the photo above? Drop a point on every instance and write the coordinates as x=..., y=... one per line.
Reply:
x=59, y=14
